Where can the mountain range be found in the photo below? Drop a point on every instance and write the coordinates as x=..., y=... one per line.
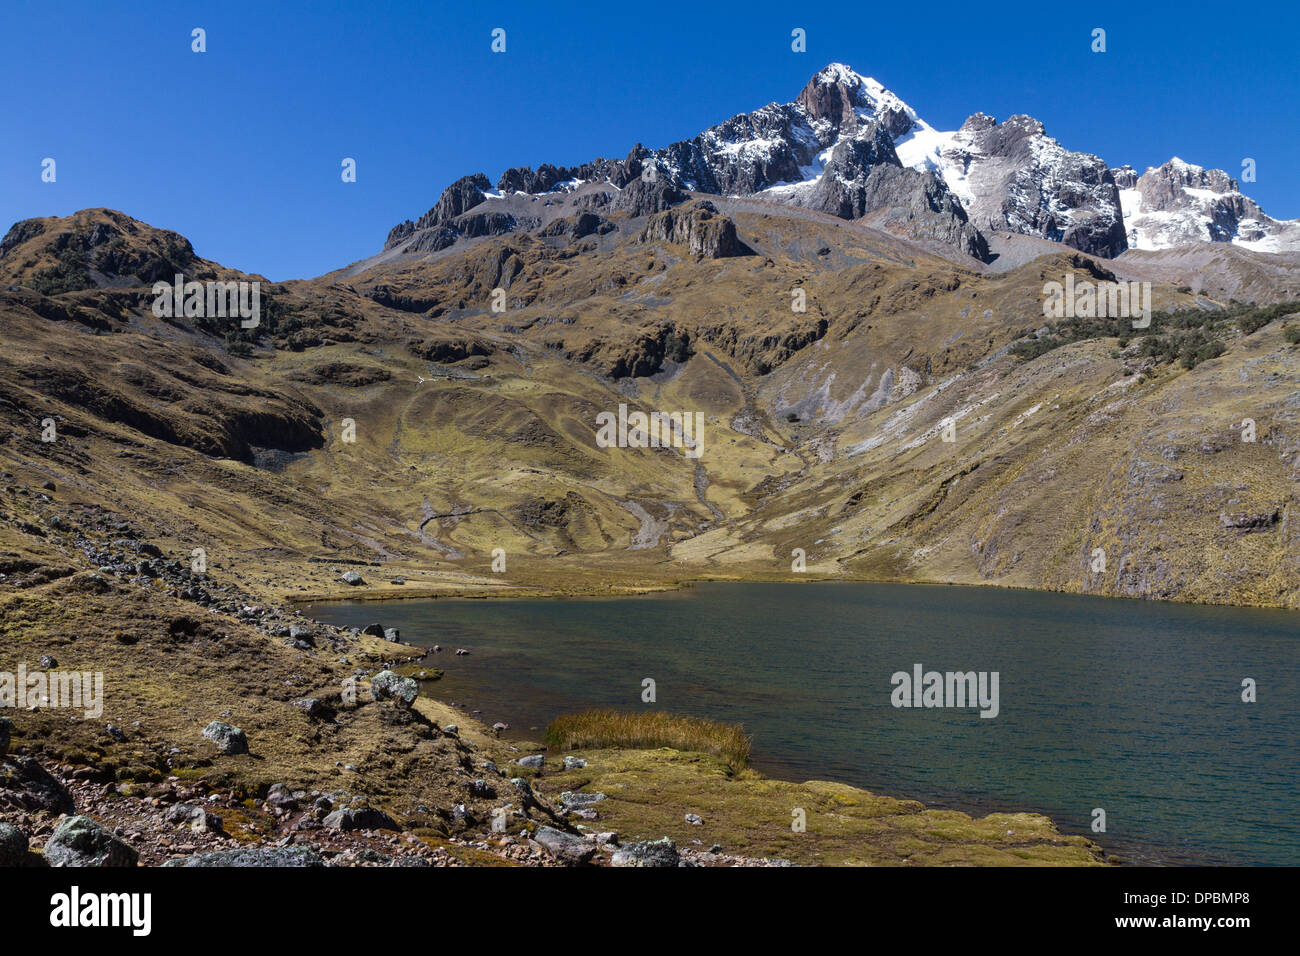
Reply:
x=852, y=300
x=849, y=147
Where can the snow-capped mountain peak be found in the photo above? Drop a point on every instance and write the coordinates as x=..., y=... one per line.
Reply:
x=849, y=146
x=1179, y=203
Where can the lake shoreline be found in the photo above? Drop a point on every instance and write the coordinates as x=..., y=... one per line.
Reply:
x=506, y=592
x=493, y=660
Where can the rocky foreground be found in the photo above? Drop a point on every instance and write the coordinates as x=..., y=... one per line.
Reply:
x=178, y=825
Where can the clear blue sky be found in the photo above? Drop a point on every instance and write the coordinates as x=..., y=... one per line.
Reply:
x=239, y=148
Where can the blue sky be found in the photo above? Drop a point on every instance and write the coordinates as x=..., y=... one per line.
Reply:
x=239, y=148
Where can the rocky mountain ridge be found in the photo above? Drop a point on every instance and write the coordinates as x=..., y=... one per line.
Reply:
x=1179, y=203
x=852, y=148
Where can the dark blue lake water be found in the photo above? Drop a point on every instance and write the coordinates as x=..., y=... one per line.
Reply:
x=1133, y=707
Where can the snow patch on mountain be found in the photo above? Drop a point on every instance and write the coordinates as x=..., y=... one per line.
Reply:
x=1180, y=203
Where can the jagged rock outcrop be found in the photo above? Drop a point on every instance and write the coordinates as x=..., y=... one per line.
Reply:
x=579, y=226
x=842, y=190
x=644, y=196
x=864, y=177
x=1013, y=177
x=705, y=234
x=919, y=205
x=840, y=97
x=462, y=195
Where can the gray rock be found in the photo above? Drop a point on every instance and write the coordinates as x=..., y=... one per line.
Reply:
x=643, y=197
x=25, y=784
x=647, y=853
x=694, y=819
x=229, y=740
x=313, y=706
x=360, y=818
x=568, y=849
x=254, y=857
x=352, y=578
x=197, y=818
x=579, y=801
x=534, y=761
x=374, y=630
x=13, y=846
x=699, y=228
x=392, y=634
x=389, y=686
x=1029, y=184
x=298, y=632
x=47, y=662
x=115, y=732
x=574, y=763
x=80, y=841
x=282, y=798
x=451, y=729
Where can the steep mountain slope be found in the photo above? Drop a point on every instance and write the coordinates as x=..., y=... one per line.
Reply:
x=389, y=415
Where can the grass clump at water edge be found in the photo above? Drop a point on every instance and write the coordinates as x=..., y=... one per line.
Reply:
x=599, y=729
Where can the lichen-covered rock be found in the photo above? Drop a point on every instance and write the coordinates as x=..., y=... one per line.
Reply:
x=579, y=801
x=26, y=785
x=389, y=686
x=13, y=845
x=229, y=740
x=253, y=857
x=81, y=841
x=648, y=853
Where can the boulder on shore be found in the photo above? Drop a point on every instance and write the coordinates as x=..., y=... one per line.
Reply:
x=389, y=686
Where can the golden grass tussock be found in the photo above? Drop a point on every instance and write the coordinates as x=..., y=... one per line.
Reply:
x=650, y=730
